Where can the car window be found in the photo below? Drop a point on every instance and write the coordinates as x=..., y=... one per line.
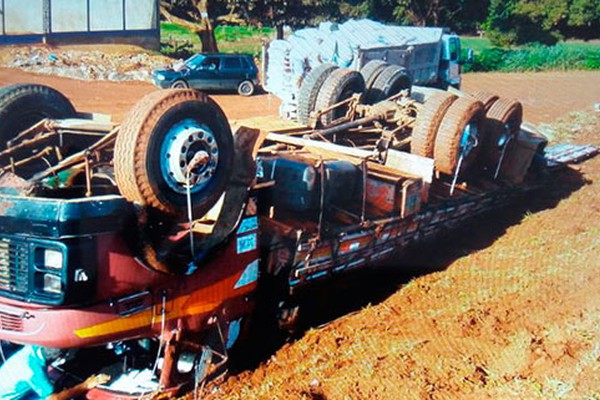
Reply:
x=232, y=63
x=194, y=61
x=210, y=63
x=246, y=62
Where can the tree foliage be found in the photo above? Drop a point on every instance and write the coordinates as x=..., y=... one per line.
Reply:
x=506, y=22
x=543, y=21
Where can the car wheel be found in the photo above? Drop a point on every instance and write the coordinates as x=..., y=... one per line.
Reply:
x=246, y=88
x=180, y=84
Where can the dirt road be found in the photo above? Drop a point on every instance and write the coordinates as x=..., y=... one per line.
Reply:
x=545, y=95
x=116, y=98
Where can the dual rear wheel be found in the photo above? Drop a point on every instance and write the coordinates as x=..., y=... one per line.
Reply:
x=449, y=128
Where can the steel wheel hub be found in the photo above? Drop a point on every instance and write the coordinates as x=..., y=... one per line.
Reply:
x=184, y=141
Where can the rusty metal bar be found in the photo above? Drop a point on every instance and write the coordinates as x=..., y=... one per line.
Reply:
x=33, y=129
x=39, y=155
x=79, y=157
x=342, y=127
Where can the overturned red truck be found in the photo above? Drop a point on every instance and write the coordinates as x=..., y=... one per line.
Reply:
x=143, y=243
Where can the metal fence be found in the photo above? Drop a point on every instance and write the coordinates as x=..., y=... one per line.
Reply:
x=23, y=21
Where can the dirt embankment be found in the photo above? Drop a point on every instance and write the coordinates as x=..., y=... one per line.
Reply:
x=513, y=313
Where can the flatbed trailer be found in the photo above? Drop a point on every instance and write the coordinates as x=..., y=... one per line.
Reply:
x=143, y=244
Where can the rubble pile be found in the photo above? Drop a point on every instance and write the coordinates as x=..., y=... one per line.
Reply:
x=85, y=65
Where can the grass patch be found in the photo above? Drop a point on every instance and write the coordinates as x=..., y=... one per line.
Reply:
x=177, y=41
x=570, y=55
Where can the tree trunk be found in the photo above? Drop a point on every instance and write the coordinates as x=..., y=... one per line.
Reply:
x=280, y=32
x=203, y=29
x=207, y=35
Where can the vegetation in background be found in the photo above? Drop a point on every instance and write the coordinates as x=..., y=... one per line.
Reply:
x=508, y=24
x=511, y=22
x=570, y=55
x=179, y=42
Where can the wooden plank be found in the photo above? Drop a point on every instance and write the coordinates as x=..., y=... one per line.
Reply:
x=334, y=148
x=410, y=164
x=77, y=124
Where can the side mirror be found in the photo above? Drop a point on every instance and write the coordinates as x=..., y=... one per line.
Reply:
x=470, y=56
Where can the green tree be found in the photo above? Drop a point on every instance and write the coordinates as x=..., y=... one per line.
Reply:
x=279, y=13
x=545, y=21
x=464, y=16
x=194, y=15
x=583, y=19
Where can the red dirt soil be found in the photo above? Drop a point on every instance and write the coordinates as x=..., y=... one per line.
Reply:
x=116, y=98
x=545, y=95
x=512, y=313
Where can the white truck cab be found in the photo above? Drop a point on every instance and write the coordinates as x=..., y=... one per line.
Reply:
x=450, y=62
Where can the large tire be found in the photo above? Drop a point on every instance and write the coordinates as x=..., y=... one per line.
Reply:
x=340, y=85
x=502, y=123
x=173, y=125
x=389, y=82
x=487, y=99
x=465, y=116
x=428, y=122
x=307, y=97
x=24, y=104
x=371, y=70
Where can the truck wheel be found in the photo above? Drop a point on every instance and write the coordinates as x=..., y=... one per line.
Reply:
x=488, y=99
x=307, y=97
x=371, y=70
x=502, y=124
x=390, y=81
x=24, y=104
x=339, y=86
x=460, y=130
x=246, y=88
x=180, y=84
x=428, y=122
x=159, y=138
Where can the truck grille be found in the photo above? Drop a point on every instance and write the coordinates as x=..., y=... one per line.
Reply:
x=14, y=261
x=10, y=322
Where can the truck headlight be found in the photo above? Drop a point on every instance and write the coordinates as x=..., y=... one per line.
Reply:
x=53, y=259
x=52, y=283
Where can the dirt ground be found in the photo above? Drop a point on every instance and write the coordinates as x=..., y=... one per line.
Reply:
x=544, y=95
x=508, y=308
x=116, y=98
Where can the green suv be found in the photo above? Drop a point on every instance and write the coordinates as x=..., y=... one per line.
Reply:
x=211, y=71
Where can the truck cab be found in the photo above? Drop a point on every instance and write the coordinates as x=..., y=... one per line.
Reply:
x=450, y=61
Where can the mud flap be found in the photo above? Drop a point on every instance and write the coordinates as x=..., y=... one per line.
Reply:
x=236, y=192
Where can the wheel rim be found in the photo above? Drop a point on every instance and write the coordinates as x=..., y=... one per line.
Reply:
x=469, y=139
x=183, y=141
x=245, y=88
x=504, y=136
x=179, y=85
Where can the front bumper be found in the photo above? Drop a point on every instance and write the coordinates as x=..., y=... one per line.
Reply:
x=163, y=84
